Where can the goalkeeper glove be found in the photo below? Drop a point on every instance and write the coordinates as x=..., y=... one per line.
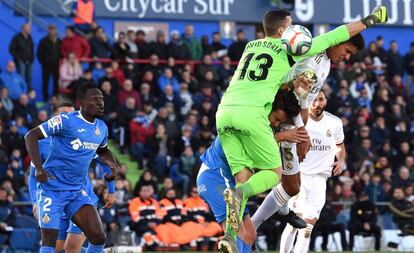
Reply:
x=378, y=16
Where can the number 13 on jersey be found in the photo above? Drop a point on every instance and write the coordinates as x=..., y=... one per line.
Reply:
x=258, y=71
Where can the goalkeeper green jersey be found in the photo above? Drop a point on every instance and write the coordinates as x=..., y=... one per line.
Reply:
x=263, y=66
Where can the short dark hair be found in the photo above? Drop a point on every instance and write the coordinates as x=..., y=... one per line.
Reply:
x=358, y=41
x=273, y=20
x=286, y=101
x=83, y=88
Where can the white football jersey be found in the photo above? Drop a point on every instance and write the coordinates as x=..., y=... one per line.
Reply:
x=325, y=135
x=320, y=64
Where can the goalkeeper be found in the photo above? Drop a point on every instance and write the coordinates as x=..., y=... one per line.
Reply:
x=242, y=122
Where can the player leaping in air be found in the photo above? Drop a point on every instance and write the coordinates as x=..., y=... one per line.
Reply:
x=76, y=138
x=245, y=134
x=214, y=175
x=320, y=64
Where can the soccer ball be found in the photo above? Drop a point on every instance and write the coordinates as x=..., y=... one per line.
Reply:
x=296, y=40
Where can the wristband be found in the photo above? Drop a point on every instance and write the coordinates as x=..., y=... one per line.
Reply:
x=303, y=99
x=369, y=21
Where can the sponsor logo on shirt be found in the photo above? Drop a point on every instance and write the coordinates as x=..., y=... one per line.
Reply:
x=77, y=144
x=81, y=130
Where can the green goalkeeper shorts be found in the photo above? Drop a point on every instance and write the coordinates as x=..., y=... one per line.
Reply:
x=247, y=138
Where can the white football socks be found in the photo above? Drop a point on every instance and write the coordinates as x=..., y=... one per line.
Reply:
x=302, y=243
x=274, y=201
x=288, y=238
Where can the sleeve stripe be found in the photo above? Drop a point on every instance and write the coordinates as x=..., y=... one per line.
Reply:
x=43, y=131
x=104, y=146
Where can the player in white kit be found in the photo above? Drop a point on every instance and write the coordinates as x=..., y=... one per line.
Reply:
x=327, y=137
x=320, y=64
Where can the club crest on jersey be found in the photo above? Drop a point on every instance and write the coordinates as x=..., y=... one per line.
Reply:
x=97, y=132
x=328, y=133
x=46, y=218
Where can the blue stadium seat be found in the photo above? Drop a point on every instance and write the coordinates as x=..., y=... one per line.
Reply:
x=24, y=221
x=25, y=239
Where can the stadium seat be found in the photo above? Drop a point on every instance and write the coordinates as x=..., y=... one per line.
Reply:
x=25, y=239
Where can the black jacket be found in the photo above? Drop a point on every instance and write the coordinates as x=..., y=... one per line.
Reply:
x=363, y=211
x=236, y=50
x=160, y=49
x=21, y=48
x=48, y=52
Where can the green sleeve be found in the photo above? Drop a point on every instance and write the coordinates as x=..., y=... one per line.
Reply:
x=322, y=42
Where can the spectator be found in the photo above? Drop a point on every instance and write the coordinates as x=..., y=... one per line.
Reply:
x=177, y=48
x=403, y=211
x=153, y=66
x=359, y=84
x=128, y=91
x=141, y=130
x=146, y=179
x=403, y=178
x=216, y=43
x=109, y=76
x=160, y=152
x=207, y=48
x=133, y=48
x=144, y=48
x=237, y=47
x=395, y=60
x=382, y=53
x=206, y=65
x=5, y=99
x=186, y=99
x=76, y=44
x=48, y=54
x=22, y=49
x=380, y=133
x=168, y=96
x=364, y=220
x=145, y=92
x=192, y=42
x=110, y=103
x=166, y=185
x=225, y=70
x=69, y=71
x=24, y=109
x=13, y=82
x=375, y=190
x=125, y=114
x=168, y=79
x=398, y=87
x=13, y=139
x=145, y=214
x=83, y=12
x=100, y=47
x=149, y=111
x=7, y=213
x=98, y=72
x=173, y=208
x=191, y=81
x=409, y=68
x=122, y=50
x=159, y=46
x=188, y=161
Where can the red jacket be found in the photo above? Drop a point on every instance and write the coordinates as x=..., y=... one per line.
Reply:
x=123, y=94
x=77, y=45
x=139, y=133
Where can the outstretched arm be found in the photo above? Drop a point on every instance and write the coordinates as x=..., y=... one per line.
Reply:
x=344, y=32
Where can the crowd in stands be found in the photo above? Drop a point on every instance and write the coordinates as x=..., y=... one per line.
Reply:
x=163, y=116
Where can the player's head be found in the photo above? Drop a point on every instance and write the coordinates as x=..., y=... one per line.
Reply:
x=343, y=51
x=275, y=22
x=318, y=105
x=90, y=99
x=284, y=107
x=63, y=107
